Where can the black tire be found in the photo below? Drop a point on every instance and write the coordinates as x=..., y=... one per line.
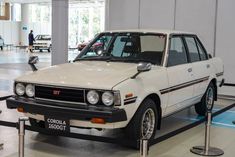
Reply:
x=40, y=50
x=49, y=50
x=201, y=107
x=36, y=123
x=133, y=129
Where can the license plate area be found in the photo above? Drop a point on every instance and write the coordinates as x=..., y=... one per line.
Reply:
x=57, y=124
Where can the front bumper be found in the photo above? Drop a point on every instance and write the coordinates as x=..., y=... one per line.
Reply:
x=55, y=109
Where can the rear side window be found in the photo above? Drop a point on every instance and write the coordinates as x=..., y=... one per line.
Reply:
x=177, y=52
x=202, y=53
x=192, y=48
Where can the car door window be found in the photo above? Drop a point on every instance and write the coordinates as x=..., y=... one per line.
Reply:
x=192, y=48
x=202, y=52
x=177, y=52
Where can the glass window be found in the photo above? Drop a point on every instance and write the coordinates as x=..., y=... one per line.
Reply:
x=2, y=8
x=86, y=18
x=127, y=47
x=16, y=12
x=192, y=48
x=152, y=43
x=202, y=53
x=98, y=47
x=177, y=52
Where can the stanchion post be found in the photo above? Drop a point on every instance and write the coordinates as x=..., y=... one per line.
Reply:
x=207, y=133
x=21, y=133
x=144, y=148
x=1, y=144
x=206, y=150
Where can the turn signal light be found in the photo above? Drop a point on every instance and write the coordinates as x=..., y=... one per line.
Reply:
x=129, y=95
x=98, y=120
x=20, y=109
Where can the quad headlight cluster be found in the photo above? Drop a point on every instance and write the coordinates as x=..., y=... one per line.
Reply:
x=107, y=98
x=25, y=89
x=93, y=97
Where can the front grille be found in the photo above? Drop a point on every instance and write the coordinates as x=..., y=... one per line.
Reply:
x=60, y=94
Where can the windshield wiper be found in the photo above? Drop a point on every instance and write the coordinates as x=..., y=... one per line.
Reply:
x=130, y=60
x=89, y=58
x=113, y=59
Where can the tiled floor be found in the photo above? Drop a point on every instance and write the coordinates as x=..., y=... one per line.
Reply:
x=14, y=64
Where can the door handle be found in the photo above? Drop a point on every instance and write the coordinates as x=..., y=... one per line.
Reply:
x=190, y=70
x=208, y=66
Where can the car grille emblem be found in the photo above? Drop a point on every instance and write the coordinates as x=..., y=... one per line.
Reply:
x=56, y=92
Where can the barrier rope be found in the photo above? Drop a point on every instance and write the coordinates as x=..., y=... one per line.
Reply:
x=119, y=140
x=5, y=97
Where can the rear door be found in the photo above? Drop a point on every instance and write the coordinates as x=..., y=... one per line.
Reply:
x=180, y=75
x=200, y=64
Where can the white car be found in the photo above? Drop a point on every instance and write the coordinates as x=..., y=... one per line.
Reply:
x=134, y=80
x=42, y=42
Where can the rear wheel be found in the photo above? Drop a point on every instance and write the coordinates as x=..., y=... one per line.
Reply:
x=144, y=122
x=207, y=100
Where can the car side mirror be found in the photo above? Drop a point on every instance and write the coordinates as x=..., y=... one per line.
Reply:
x=142, y=67
x=32, y=61
x=210, y=56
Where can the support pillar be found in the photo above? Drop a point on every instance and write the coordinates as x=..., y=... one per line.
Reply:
x=60, y=17
x=25, y=28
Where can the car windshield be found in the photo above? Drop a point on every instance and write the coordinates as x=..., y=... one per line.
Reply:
x=126, y=47
x=43, y=37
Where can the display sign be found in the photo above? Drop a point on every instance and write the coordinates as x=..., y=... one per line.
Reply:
x=57, y=124
x=25, y=28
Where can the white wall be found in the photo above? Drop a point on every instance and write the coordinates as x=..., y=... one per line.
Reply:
x=157, y=14
x=225, y=41
x=199, y=17
x=213, y=22
x=122, y=14
x=10, y=31
x=37, y=27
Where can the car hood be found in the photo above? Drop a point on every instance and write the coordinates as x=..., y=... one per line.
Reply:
x=82, y=74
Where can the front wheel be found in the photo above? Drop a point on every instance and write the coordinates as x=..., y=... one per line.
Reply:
x=207, y=101
x=144, y=122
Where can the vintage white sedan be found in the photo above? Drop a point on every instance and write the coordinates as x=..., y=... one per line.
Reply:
x=42, y=42
x=132, y=81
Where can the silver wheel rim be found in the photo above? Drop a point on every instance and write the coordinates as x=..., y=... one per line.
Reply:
x=148, y=124
x=209, y=98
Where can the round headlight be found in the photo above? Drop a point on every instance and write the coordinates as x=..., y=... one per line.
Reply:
x=108, y=98
x=93, y=97
x=20, y=89
x=30, y=91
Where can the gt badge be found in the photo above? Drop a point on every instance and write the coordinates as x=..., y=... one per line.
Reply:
x=56, y=92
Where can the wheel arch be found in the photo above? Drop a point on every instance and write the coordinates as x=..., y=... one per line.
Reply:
x=155, y=97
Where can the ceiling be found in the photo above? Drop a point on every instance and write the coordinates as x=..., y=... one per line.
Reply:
x=44, y=1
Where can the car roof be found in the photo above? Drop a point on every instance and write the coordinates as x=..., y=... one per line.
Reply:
x=162, y=31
